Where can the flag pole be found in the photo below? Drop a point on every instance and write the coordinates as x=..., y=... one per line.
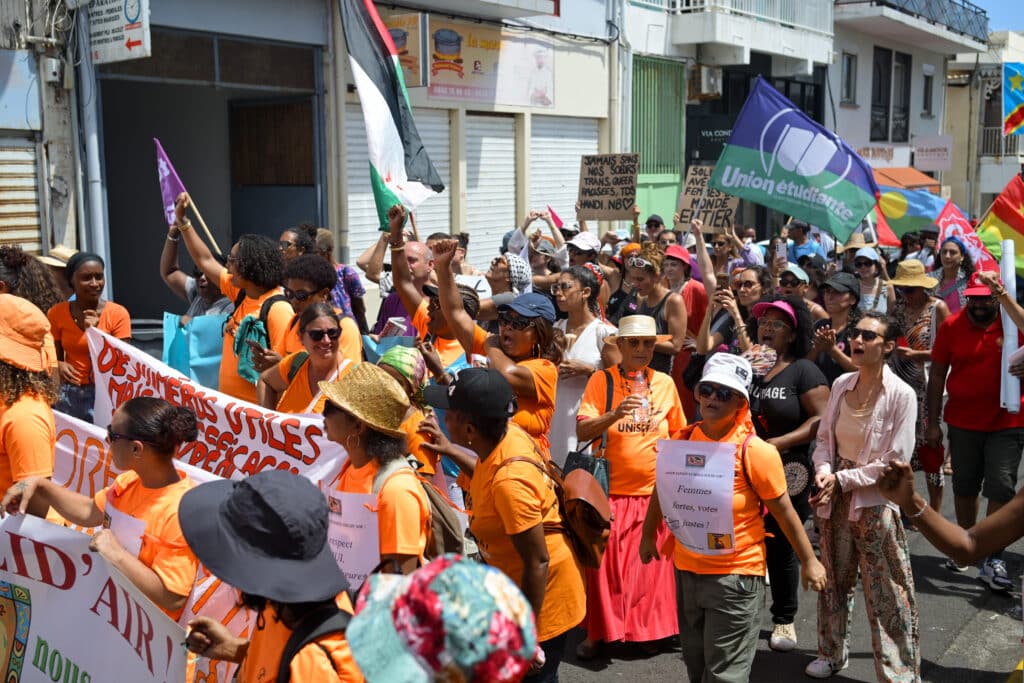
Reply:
x=202, y=223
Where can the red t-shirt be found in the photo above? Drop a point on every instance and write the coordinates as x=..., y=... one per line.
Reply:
x=975, y=360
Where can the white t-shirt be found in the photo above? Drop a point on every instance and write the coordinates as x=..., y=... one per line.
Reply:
x=586, y=348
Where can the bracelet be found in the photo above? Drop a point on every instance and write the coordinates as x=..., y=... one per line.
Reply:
x=400, y=247
x=187, y=225
x=919, y=512
x=172, y=239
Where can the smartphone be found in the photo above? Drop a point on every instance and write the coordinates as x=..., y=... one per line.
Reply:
x=781, y=251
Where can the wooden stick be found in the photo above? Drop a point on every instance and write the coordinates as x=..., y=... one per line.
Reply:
x=202, y=223
x=415, y=232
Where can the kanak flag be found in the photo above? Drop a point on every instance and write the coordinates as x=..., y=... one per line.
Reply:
x=1005, y=221
x=952, y=223
x=400, y=170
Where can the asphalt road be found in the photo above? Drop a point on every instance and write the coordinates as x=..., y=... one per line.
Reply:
x=968, y=633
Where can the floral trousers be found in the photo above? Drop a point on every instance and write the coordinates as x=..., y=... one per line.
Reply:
x=876, y=544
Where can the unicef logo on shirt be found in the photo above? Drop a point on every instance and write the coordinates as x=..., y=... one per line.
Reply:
x=799, y=150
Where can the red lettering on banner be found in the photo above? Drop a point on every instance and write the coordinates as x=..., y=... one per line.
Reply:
x=111, y=359
x=47, y=559
x=313, y=432
x=114, y=612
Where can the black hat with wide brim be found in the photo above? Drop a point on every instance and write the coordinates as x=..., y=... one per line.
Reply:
x=265, y=535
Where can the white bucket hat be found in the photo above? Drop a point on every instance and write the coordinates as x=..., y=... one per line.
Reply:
x=728, y=371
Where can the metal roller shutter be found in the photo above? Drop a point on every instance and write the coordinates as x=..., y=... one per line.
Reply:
x=556, y=145
x=434, y=215
x=19, y=195
x=491, y=184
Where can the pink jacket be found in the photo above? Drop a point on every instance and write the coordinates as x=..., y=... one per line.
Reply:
x=892, y=437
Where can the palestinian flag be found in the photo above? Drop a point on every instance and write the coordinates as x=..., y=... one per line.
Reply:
x=400, y=170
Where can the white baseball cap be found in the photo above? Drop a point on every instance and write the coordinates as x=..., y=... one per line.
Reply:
x=729, y=371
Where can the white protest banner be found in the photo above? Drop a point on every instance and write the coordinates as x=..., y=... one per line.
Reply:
x=354, y=534
x=66, y=615
x=695, y=485
x=236, y=438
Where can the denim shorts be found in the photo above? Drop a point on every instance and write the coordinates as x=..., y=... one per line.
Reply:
x=985, y=462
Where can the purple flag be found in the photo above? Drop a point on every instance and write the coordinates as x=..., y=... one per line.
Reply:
x=170, y=184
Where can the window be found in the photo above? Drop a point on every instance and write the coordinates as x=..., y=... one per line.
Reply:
x=929, y=85
x=848, y=88
x=900, y=98
x=890, y=96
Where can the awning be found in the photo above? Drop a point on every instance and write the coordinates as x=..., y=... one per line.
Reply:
x=906, y=177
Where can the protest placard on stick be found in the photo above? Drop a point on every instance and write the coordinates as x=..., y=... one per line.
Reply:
x=607, y=186
x=698, y=200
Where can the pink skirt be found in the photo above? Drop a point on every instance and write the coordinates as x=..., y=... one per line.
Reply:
x=626, y=599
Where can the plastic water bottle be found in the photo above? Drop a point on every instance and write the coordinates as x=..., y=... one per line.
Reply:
x=638, y=387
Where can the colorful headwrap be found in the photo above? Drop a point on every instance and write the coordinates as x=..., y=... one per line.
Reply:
x=596, y=270
x=410, y=364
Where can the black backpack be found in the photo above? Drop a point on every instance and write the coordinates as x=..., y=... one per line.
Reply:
x=313, y=627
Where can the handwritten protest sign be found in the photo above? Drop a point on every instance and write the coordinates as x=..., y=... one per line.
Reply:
x=54, y=590
x=717, y=210
x=695, y=485
x=608, y=186
x=236, y=438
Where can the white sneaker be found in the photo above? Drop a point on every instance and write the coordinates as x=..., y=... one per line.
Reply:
x=783, y=638
x=823, y=668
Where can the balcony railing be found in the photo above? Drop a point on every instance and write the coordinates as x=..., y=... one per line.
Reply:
x=958, y=16
x=993, y=144
x=808, y=15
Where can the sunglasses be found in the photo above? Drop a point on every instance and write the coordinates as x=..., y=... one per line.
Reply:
x=565, y=286
x=638, y=262
x=514, y=321
x=789, y=282
x=721, y=393
x=113, y=436
x=299, y=295
x=863, y=263
x=330, y=409
x=745, y=284
x=638, y=342
x=774, y=324
x=318, y=335
x=719, y=243
x=868, y=335
x=285, y=244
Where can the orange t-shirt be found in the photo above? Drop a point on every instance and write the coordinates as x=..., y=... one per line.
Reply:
x=534, y=414
x=515, y=498
x=414, y=443
x=764, y=467
x=350, y=343
x=278, y=317
x=403, y=512
x=310, y=664
x=448, y=350
x=114, y=320
x=28, y=436
x=632, y=448
x=164, y=549
x=297, y=396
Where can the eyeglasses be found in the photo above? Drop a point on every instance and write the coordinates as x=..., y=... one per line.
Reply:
x=638, y=342
x=514, y=321
x=330, y=409
x=231, y=258
x=565, y=286
x=721, y=393
x=299, y=295
x=868, y=335
x=746, y=284
x=318, y=335
x=863, y=263
x=284, y=244
x=774, y=324
x=789, y=282
x=639, y=262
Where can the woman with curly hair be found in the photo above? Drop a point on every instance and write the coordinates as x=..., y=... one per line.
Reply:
x=24, y=276
x=27, y=390
x=295, y=242
x=956, y=269
x=253, y=275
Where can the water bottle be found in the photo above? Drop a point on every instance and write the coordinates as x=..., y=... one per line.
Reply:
x=638, y=387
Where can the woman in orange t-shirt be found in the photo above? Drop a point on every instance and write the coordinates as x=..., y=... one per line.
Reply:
x=526, y=350
x=364, y=413
x=141, y=534
x=308, y=280
x=625, y=599
x=292, y=386
x=512, y=506
x=68, y=322
x=410, y=369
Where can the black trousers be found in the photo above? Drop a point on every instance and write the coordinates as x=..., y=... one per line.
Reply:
x=783, y=566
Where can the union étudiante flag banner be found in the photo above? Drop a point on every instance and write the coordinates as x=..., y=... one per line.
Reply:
x=1013, y=98
x=400, y=170
x=779, y=157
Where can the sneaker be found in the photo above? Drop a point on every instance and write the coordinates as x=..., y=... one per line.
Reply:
x=823, y=668
x=783, y=638
x=993, y=573
x=954, y=567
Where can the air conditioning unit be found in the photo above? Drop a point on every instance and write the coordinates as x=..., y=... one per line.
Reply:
x=705, y=82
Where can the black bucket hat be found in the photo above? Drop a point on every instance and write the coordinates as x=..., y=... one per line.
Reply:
x=265, y=535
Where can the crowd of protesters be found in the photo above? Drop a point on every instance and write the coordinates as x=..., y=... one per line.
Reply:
x=833, y=370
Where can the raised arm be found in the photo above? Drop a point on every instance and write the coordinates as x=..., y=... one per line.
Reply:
x=406, y=288
x=197, y=249
x=459, y=322
x=371, y=261
x=172, y=276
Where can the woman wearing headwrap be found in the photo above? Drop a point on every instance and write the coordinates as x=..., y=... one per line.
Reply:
x=508, y=277
x=68, y=322
x=956, y=270
x=408, y=367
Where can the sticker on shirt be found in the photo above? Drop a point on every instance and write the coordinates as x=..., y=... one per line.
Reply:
x=353, y=534
x=127, y=530
x=695, y=482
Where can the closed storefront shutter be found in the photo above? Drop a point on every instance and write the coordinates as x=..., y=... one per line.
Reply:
x=432, y=216
x=491, y=184
x=19, y=195
x=556, y=145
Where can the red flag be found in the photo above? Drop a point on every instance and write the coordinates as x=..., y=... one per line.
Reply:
x=554, y=218
x=952, y=223
x=886, y=237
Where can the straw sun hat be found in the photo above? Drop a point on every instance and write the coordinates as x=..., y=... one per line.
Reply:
x=637, y=326
x=372, y=396
x=910, y=273
x=855, y=242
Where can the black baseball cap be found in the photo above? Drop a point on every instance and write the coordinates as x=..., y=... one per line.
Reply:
x=477, y=391
x=654, y=218
x=844, y=282
x=799, y=225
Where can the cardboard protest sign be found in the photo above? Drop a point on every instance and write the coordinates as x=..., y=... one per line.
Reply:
x=717, y=210
x=236, y=438
x=608, y=186
x=54, y=591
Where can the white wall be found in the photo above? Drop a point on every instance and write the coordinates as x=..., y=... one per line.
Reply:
x=294, y=21
x=581, y=17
